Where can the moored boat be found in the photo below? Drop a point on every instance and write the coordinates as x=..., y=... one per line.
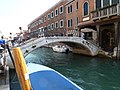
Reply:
x=45, y=78
x=60, y=48
x=39, y=77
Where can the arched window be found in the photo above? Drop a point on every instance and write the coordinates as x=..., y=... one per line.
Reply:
x=85, y=8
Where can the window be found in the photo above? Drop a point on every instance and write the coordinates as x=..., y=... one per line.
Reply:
x=70, y=23
x=76, y=5
x=115, y=1
x=98, y=4
x=61, y=9
x=52, y=26
x=61, y=23
x=41, y=29
x=48, y=27
x=85, y=8
x=39, y=21
x=106, y=3
x=44, y=18
x=70, y=9
x=52, y=14
x=56, y=24
x=76, y=20
x=56, y=12
x=45, y=28
x=49, y=16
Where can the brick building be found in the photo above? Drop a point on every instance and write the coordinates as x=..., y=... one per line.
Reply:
x=107, y=21
x=77, y=13
x=98, y=19
x=50, y=23
x=104, y=18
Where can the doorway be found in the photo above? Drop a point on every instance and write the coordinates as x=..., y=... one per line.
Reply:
x=107, y=40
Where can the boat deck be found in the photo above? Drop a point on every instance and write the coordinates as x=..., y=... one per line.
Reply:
x=4, y=79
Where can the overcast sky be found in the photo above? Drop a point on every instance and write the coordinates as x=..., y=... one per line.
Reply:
x=19, y=13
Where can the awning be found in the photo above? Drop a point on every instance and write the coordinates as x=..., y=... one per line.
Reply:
x=86, y=23
x=87, y=30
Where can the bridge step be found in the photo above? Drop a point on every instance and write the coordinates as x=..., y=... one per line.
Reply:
x=104, y=54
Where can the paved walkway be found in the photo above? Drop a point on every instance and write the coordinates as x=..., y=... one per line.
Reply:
x=4, y=79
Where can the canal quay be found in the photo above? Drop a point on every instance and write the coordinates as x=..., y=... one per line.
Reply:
x=91, y=30
x=4, y=78
x=87, y=71
x=39, y=50
x=90, y=73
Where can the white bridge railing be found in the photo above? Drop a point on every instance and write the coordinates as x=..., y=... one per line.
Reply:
x=93, y=48
x=35, y=43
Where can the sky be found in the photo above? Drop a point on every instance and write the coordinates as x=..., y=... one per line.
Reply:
x=19, y=13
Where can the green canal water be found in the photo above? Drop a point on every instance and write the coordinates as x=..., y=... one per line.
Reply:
x=90, y=73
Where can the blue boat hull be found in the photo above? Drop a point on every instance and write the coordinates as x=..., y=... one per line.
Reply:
x=49, y=79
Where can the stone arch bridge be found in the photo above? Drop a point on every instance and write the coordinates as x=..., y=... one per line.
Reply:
x=77, y=44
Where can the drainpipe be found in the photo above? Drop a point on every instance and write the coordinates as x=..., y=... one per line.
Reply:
x=116, y=33
x=118, y=47
x=79, y=30
x=98, y=35
x=118, y=43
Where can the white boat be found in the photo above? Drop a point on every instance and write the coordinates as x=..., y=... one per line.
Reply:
x=45, y=78
x=60, y=48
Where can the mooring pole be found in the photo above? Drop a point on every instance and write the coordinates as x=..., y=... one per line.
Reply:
x=21, y=69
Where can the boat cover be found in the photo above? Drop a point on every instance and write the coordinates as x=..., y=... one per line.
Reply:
x=44, y=78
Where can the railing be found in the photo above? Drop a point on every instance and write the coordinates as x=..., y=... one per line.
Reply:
x=106, y=12
x=28, y=46
x=86, y=43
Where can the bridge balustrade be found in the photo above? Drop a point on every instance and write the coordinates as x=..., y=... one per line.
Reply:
x=86, y=43
x=47, y=40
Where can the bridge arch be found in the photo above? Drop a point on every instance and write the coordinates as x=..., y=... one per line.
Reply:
x=78, y=45
x=79, y=48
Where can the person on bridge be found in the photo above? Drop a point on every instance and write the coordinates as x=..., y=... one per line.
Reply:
x=2, y=43
x=11, y=39
x=82, y=35
x=2, y=48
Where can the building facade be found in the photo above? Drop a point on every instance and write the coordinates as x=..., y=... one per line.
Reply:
x=105, y=18
x=98, y=19
x=107, y=21
x=50, y=23
x=77, y=13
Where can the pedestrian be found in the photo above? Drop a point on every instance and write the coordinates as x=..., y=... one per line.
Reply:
x=2, y=48
x=2, y=42
x=11, y=39
x=82, y=35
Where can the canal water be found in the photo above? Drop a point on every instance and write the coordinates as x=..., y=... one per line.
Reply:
x=90, y=73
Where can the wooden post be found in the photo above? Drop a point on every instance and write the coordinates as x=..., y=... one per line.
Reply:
x=118, y=41
x=116, y=33
x=118, y=54
x=98, y=35
x=21, y=69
